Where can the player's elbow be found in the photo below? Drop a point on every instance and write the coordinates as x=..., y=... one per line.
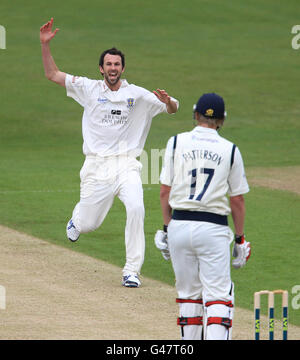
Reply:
x=57, y=77
x=237, y=200
x=237, y=204
x=50, y=75
x=164, y=191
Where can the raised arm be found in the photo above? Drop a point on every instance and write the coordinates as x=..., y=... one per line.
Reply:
x=163, y=96
x=51, y=70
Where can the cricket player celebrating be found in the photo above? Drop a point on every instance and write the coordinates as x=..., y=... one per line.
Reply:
x=200, y=168
x=116, y=120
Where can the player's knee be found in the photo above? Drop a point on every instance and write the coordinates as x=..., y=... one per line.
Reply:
x=136, y=211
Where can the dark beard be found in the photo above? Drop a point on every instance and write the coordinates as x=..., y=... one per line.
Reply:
x=107, y=79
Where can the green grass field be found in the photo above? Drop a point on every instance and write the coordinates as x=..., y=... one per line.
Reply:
x=241, y=50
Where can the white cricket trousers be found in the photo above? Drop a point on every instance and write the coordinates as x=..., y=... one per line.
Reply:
x=200, y=255
x=103, y=178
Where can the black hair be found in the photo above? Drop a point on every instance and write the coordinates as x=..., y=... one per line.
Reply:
x=112, y=51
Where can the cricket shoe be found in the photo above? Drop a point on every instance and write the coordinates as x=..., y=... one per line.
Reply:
x=72, y=233
x=131, y=281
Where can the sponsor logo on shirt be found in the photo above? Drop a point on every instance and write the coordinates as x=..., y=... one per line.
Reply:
x=102, y=100
x=116, y=112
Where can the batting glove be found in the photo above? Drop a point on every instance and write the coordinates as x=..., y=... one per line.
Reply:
x=161, y=242
x=241, y=252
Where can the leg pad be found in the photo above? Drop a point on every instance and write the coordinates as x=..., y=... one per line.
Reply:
x=197, y=320
x=191, y=301
x=191, y=311
x=220, y=321
x=219, y=302
x=227, y=322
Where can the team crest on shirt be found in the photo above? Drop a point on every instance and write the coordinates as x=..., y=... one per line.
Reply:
x=130, y=103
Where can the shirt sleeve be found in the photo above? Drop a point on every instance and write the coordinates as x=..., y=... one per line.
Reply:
x=237, y=180
x=155, y=106
x=76, y=87
x=167, y=171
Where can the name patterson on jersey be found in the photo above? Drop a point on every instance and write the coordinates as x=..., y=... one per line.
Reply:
x=202, y=154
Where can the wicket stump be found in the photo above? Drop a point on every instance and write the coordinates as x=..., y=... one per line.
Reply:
x=271, y=295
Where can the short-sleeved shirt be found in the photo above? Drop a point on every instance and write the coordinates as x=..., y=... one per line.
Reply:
x=114, y=122
x=202, y=168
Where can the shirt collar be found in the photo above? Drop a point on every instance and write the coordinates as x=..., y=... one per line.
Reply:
x=204, y=130
x=105, y=88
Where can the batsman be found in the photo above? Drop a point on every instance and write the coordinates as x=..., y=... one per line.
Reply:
x=200, y=169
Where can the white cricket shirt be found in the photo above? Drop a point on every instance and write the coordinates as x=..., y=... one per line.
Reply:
x=114, y=122
x=202, y=170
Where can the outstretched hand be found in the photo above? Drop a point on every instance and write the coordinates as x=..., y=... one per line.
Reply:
x=163, y=96
x=46, y=33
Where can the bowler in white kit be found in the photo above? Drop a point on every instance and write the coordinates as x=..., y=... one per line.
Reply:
x=116, y=120
x=200, y=170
